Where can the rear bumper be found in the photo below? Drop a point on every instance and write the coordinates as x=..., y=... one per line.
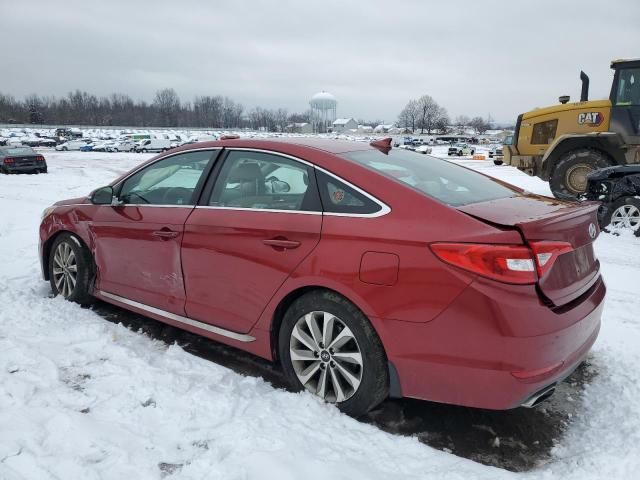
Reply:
x=469, y=354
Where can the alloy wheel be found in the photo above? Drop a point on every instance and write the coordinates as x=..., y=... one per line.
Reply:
x=65, y=269
x=326, y=357
x=626, y=216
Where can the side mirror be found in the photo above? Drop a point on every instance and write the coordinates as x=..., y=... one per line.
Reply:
x=102, y=196
x=280, y=186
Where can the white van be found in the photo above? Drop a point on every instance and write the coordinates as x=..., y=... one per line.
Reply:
x=153, y=145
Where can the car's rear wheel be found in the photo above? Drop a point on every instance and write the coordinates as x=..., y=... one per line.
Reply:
x=328, y=347
x=70, y=269
x=64, y=149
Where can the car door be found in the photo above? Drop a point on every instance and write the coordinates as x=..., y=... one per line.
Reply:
x=137, y=243
x=261, y=219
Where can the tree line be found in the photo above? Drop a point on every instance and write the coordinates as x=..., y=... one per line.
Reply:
x=166, y=110
x=424, y=114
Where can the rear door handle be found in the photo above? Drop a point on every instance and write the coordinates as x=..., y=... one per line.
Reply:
x=165, y=233
x=281, y=243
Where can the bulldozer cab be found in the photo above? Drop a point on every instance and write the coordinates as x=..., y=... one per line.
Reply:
x=625, y=100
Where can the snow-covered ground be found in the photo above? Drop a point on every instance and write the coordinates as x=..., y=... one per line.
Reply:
x=84, y=398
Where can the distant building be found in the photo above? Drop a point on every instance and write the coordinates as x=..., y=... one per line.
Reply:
x=383, y=128
x=343, y=124
x=302, y=127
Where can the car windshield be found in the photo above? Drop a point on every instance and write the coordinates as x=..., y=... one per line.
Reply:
x=440, y=179
x=18, y=151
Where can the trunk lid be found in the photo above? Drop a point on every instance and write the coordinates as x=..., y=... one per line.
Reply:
x=547, y=219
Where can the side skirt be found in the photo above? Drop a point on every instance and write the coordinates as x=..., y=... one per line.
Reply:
x=241, y=337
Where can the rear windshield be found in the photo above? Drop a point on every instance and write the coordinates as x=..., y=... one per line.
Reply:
x=18, y=151
x=445, y=181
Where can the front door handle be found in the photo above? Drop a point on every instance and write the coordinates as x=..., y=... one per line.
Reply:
x=165, y=234
x=281, y=243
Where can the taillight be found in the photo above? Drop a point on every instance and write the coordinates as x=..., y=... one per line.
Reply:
x=39, y=158
x=505, y=263
x=547, y=252
x=9, y=160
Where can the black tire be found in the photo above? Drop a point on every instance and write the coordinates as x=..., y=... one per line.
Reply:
x=374, y=385
x=605, y=219
x=84, y=266
x=460, y=153
x=144, y=150
x=498, y=162
x=568, y=177
x=64, y=149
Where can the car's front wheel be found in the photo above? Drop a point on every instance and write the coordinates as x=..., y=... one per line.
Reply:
x=70, y=269
x=624, y=213
x=328, y=347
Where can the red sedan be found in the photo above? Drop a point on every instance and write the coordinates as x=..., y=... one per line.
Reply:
x=365, y=271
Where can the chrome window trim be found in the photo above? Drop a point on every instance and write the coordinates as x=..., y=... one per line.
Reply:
x=241, y=337
x=148, y=205
x=384, y=208
x=268, y=210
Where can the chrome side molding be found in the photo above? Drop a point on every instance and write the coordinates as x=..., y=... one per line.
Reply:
x=241, y=337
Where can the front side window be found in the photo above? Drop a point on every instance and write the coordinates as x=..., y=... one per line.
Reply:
x=628, y=87
x=259, y=180
x=445, y=181
x=171, y=181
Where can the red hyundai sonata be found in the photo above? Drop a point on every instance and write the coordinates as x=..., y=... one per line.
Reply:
x=366, y=271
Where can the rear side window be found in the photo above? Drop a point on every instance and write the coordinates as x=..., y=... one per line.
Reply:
x=337, y=197
x=445, y=181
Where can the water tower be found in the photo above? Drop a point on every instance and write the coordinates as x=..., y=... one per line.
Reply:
x=323, y=111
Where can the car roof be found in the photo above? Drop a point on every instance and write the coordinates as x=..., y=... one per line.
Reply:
x=324, y=144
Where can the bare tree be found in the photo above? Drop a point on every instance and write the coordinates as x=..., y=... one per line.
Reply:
x=429, y=114
x=461, y=121
x=281, y=119
x=479, y=125
x=409, y=116
x=167, y=105
x=442, y=123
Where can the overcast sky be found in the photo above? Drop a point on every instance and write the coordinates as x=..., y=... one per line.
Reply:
x=474, y=57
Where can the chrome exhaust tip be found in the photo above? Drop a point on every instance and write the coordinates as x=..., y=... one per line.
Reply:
x=539, y=397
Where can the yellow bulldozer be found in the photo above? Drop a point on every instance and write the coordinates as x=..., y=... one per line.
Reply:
x=565, y=142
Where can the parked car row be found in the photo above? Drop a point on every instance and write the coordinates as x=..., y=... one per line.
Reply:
x=150, y=145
